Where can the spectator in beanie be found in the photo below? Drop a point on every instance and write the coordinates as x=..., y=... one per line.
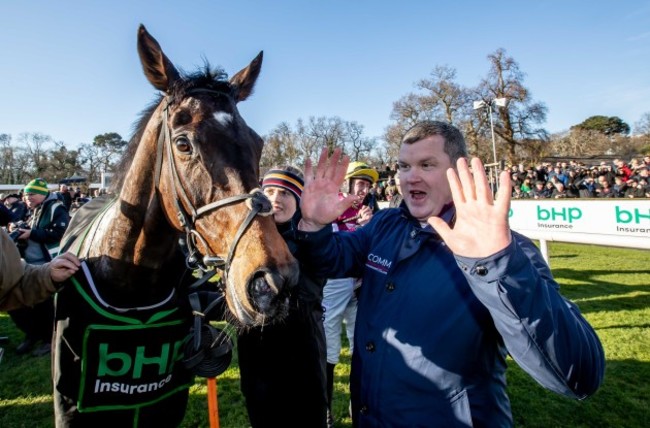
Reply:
x=46, y=227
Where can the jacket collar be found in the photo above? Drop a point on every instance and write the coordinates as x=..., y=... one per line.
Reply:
x=448, y=214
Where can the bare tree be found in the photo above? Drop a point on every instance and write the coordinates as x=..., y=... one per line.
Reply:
x=356, y=144
x=36, y=149
x=642, y=131
x=518, y=121
x=90, y=158
x=642, y=126
x=6, y=159
x=280, y=148
x=307, y=143
x=393, y=138
x=328, y=131
x=441, y=98
x=287, y=145
x=22, y=166
x=444, y=97
x=411, y=109
x=381, y=154
x=579, y=142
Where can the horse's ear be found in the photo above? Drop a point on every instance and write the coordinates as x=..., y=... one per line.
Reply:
x=157, y=67
x=244, y=81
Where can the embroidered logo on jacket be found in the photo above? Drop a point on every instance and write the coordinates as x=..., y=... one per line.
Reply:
x=378, y=263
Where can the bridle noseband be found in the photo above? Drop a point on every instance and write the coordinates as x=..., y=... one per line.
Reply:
x=256, y=201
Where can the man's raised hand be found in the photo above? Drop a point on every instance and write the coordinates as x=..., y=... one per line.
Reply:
x=320, y=203
x=481, y=227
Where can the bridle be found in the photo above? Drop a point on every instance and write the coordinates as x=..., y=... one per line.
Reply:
x=188, y=214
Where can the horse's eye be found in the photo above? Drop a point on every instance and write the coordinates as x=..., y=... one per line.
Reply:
x=183, y=145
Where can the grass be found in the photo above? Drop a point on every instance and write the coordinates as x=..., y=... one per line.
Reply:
x=610, y=285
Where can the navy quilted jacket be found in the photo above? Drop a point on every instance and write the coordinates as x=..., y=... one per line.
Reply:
x=433, y=330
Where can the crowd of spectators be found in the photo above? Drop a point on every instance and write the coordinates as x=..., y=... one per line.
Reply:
x=567, y=179
x=13, y=208
x=616, y=179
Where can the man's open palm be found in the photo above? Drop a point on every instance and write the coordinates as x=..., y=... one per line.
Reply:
x=320, y=202
x=481, y=228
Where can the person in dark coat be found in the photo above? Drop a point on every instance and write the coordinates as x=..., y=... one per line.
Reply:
x=449, y=292
x=282, y=365
x=41, y=243
x=65, y=196
x=15, y=204
x=6, y=216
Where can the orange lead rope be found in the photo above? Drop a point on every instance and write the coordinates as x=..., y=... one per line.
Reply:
x=213, y=407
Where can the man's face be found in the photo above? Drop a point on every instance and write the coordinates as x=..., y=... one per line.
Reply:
x=10, y=200
x=283, y=203
x=360, y=187
x=34, y=199
x=423, y=167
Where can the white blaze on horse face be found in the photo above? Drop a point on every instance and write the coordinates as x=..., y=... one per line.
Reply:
x=224, y=119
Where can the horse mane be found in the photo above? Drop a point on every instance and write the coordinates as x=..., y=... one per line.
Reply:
x=207, y=78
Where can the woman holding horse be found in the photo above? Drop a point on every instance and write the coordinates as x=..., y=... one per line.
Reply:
x=282, y=365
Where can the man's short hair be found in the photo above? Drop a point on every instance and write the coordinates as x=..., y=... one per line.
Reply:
x=455, y=146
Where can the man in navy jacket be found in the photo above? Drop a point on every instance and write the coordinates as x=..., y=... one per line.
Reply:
x=448, y=291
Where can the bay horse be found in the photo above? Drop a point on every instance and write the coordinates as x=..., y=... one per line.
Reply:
x=190, y=171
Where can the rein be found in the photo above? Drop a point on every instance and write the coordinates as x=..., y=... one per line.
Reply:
x=209, y=352
x=256, y=202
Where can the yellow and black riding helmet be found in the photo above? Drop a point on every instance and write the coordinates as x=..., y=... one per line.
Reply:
x=363, y=171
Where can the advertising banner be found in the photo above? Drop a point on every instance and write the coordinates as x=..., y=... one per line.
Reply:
x=615, y=222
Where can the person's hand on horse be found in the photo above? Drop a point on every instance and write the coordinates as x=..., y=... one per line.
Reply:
x=481, y=228
x=63, y=267
x=320, y=203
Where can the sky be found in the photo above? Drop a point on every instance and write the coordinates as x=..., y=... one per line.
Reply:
x=70, y=69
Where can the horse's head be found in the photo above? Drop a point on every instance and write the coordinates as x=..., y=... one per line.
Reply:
x=206, y=173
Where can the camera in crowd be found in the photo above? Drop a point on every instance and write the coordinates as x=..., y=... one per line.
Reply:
x=16, y=232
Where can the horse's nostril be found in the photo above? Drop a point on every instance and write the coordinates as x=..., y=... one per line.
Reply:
x=268, y=294
x=260, y=286
x=261, y=293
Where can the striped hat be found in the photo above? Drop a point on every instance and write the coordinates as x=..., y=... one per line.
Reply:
x=37, y=185
x=284, y=179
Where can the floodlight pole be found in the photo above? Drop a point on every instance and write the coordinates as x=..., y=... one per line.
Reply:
x=494, y=144
x=480, y=104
